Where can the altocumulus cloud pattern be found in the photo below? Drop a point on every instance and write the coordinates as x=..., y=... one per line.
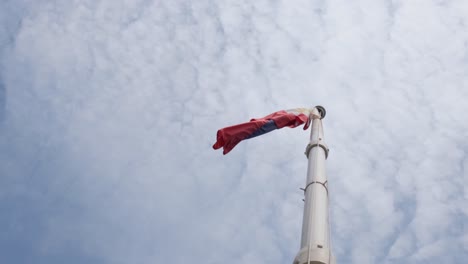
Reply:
x=108, y=110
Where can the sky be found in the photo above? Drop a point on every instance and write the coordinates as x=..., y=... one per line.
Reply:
x=109, y=109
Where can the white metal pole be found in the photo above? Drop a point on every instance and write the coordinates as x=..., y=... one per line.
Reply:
x=315, y=241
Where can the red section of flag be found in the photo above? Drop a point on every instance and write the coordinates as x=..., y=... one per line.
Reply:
x=228, y=137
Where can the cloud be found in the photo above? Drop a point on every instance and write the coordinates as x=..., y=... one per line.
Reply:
x=108, y=111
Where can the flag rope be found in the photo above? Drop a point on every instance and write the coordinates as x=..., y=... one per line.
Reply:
x=328, y=217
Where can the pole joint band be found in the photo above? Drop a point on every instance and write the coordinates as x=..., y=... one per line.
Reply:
x=316, y=143
x=324, y=184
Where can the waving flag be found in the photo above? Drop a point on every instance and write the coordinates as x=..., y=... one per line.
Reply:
x=228, y=137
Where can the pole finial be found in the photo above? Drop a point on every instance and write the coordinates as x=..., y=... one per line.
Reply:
x=322, y=111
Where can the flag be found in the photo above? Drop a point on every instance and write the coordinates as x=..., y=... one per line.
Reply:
x=228, y=137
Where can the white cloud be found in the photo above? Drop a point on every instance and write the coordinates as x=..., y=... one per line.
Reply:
x=109, y=110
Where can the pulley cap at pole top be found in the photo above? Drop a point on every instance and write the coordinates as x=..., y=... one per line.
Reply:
x=322, y=111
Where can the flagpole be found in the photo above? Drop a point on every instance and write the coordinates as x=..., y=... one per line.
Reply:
x=315, y=239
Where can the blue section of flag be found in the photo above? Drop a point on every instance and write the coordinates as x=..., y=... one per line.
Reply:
x=267, y=127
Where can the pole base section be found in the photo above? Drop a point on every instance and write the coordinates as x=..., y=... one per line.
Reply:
x=315, y=256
